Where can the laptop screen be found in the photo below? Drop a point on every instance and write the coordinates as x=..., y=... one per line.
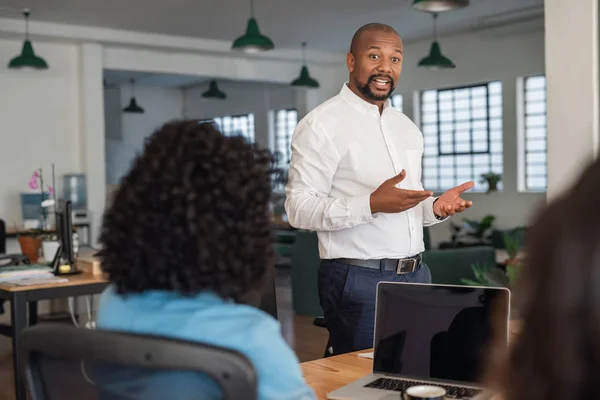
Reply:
x=436, y=331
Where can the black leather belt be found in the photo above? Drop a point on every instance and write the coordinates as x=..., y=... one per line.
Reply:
x=401, y=266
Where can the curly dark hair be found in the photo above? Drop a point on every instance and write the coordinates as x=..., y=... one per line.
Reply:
x=191, y=215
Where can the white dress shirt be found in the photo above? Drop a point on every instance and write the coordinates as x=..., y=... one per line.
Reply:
x=341, y=152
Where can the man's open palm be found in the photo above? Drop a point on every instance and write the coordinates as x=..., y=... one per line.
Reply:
x=450, y=202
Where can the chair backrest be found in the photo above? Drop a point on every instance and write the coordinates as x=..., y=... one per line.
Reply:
x=426, y=238
x=454, y=266
x=2, y=237
x=64, y=362
x=305, y=274
x=268, y=301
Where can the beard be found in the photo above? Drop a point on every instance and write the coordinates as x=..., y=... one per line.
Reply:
x=369, y=94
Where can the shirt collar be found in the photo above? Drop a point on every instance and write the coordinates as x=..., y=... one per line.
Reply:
x=357, y=102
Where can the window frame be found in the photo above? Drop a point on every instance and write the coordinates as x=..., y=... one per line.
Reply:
x=495, y=158
x=392, y=101
x=218, y=121
x=524, y=134
x=284, y=162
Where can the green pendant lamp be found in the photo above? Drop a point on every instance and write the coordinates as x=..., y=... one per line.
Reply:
x=435, y=6
x=213, y=92
x=305, y=80
x=27, y=58
x=435, y=59
x=132, y=107
x=252, y=41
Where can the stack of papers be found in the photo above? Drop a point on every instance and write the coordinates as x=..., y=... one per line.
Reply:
x=17, y=274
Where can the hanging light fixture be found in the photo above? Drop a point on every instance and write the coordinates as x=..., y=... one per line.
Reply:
x=252, y=41
x=133, y=107
x=435, y=6
x=27, y=58
x=305, y=80
x=435, y=59
x=213, y=92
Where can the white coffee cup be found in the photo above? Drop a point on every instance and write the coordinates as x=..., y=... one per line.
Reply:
x=428, y=392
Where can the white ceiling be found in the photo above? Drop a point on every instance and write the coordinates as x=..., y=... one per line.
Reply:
x=324, y=24
x=117, y=78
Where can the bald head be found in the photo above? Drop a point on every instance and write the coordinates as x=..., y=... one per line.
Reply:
x=373, y=27
x=375, y=62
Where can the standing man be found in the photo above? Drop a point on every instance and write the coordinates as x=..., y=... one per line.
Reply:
x=368, y=231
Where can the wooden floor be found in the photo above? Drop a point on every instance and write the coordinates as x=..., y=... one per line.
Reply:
x=306, y=339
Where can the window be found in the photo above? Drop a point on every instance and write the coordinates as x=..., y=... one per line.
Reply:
x=396, y=101
x=236, y=125
x=534, y=175
x=462, y=134
x=285, y=123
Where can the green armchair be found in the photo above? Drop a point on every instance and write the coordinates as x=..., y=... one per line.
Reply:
x=451, y=266
x=448, y=266
x=305, y=273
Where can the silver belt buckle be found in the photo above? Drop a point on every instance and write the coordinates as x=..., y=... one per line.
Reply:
x=402, y=267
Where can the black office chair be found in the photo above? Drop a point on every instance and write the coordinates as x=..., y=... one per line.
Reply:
x=64, y=362
x=268, y=301
x=2, y=237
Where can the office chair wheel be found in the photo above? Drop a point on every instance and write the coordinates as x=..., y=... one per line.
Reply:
x=320, y=322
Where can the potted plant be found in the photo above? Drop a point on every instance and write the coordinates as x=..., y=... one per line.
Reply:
x=50, y=245
x=492, y=179
x=511, y=244
x=36, y=182
x=506, y=276
x=31, y=240
x=502, y=276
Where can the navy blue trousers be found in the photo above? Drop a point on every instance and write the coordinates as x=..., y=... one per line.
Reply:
x=347, y=295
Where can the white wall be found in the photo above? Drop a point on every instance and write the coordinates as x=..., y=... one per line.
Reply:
x=573, y=98
x=482, y=57
x=55, y=94
x=128, y=131
x=242, y=98
x=39, y=121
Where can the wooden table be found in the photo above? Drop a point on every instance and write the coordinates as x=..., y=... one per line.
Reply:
x=328, y=374
x=77, y=285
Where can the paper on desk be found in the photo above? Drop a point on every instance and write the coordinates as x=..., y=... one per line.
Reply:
x=366, y=355
x=35, y=280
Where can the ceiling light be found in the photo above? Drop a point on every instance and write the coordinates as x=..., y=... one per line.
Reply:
x=213, y=92
x=27, y=58
x=252, y=41
x=435, y=59
x=435, y=6
x=305, y=80
x=133, y=107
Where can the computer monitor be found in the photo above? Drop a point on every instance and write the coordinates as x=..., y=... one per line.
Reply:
x=65, y=263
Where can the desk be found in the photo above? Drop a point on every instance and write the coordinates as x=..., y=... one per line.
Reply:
x=328, y=374
x=77, y=285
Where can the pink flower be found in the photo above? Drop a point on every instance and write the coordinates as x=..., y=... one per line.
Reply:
x=33, y=181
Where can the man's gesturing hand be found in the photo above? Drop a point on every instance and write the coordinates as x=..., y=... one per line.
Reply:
x=450, y=202
x=390, y=199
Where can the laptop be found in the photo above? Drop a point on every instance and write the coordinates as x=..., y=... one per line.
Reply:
x=433, y=335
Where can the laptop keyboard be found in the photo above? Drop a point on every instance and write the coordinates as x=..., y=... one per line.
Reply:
x=400, y=385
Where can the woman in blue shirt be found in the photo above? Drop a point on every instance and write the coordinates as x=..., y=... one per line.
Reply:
x=186, y=245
